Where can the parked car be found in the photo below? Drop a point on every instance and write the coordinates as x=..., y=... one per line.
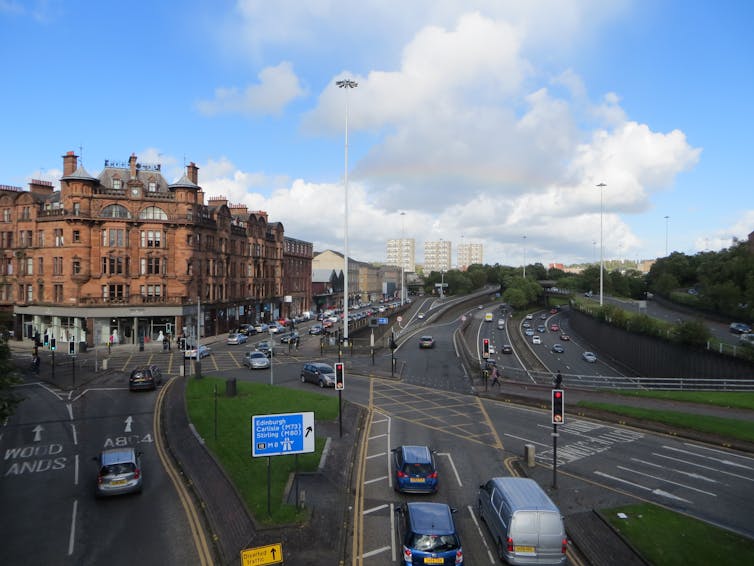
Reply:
x=319, y=373
x=237, y=338
x=256, y=360
x=426, y=342
x=118, y=471
x=261, y=327
x=558, y=349
x=145, y=378
x=526, y=526
x=428, y=534
x=247, y=330
x=266, y=348
x=589, y=357
x=204, y=351
x=414, y=469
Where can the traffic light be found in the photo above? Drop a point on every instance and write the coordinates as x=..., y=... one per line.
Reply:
x=485, y=348
x=52, y=344
x=71, y=348
x=558, y=415
x=339, y=376
x=46, y=340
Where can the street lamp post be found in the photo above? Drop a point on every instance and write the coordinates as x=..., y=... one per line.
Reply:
x=602, y=245
x=667, y=222
x=346, y=84
x=524, y=257
x=403, y=257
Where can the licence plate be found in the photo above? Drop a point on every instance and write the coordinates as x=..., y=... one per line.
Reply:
x=432, y=560
x=118, y=482
x=529, y=549
x=419, y=480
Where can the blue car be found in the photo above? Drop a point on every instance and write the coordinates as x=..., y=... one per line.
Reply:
x=429, y=535
x=415, y=469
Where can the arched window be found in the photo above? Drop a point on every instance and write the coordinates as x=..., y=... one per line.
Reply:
x=153, y=213
x=115, y=211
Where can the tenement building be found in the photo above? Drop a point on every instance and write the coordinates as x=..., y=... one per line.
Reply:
x=126, y=256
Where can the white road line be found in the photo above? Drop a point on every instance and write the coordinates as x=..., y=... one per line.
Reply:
x=718, y=451
x=481, y=534
x=75, y=435
x=697, y=455
x=639, y=486
x=76, y=470
x=689, y=474
x=375, y=437
x=392, y=532
x=381, y=478
x=70, y=411
x=72, y=536
x=374, y=509
x=375, y=455
x=528, y=441
x=375, y=551
x=748, y=478
x=637, y=472
x=452, y=465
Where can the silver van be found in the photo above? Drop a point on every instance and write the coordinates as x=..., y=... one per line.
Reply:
x=525, y=524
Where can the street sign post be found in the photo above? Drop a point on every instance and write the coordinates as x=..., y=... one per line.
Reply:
x=262, y=555
x=282, y=434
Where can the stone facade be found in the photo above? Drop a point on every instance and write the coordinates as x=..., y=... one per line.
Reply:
x=126, y=257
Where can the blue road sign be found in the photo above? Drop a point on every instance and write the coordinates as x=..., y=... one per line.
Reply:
x=382, y=321
x=278, y=435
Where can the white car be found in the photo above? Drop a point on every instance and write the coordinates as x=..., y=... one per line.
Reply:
x=237, y=338
x=529, y=316
x=256, y=360
x=536, y=340
x=420, y=315
x=203, y=352
x=589, y=357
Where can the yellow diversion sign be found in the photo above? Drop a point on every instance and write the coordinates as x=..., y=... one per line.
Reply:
x=261, y=555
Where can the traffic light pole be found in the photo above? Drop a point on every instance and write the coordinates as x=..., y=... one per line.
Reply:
x=53, y=364
x=555, y=456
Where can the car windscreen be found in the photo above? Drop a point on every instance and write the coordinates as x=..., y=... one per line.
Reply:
x=117, y=469
x=433, y=543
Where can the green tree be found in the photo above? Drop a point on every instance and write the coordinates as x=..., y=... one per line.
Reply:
x=8, y=378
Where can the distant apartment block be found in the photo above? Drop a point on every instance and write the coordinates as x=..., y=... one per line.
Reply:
x=469, y=254
x=437, y=256
x=402, y=253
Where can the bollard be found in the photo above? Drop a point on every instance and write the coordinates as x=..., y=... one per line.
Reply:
x=104, y=364
x=181, y=370
x=230, y=387
x=529, y=455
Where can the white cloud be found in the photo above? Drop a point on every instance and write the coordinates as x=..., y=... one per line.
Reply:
x=277, y=87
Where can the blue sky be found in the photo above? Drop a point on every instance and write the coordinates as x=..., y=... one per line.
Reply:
x=483, y=121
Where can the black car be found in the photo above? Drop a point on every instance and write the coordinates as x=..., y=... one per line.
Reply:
x=290, y=337
x=506, y=349
x=145, y=378
x=316, y=329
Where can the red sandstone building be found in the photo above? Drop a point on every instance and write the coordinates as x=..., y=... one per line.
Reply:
x=127, y=256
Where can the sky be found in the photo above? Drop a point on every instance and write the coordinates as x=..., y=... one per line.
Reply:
x=474, y=121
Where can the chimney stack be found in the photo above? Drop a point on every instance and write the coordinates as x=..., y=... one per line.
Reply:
x=192, y=172
x=40, y=187
x=132, y=165
x=70, y=163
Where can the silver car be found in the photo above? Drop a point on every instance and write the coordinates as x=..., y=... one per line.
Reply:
x=319, y=373
x=256, y=360
x=119, y=471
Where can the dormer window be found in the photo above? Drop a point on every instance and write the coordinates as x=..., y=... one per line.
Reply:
x=152, y=187
x=117, y=184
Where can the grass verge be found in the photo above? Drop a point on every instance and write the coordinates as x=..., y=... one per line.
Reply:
x=225, y=425
x=672, y=539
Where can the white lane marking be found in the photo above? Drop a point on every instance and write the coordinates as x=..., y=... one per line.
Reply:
x=375, y=551
x=75, y=435
x=697, y=455
x=367, y=482
x=452, y=465
x=76, y=470
x=646, y=475
x=481, y=534
x=727, y=454
x=528, y=441
x=376, y=436
x=645, y=488
x=37, y=432
x=690, y=463
x=373, y=509
x=70, y=411
x=689, y=474
x=375, y=455
x=72, y=536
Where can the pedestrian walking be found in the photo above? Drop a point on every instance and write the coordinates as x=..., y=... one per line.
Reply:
x=495, y=377
x=35, y=362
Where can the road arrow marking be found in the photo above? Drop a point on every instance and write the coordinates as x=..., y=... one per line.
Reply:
x=38, y=433
x=129, y=420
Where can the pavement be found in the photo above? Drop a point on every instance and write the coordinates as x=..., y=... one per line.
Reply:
x=328, y=492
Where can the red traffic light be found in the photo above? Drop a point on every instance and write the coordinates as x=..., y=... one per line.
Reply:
x=485, y=348
x=558, y=412
x=339, y=376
